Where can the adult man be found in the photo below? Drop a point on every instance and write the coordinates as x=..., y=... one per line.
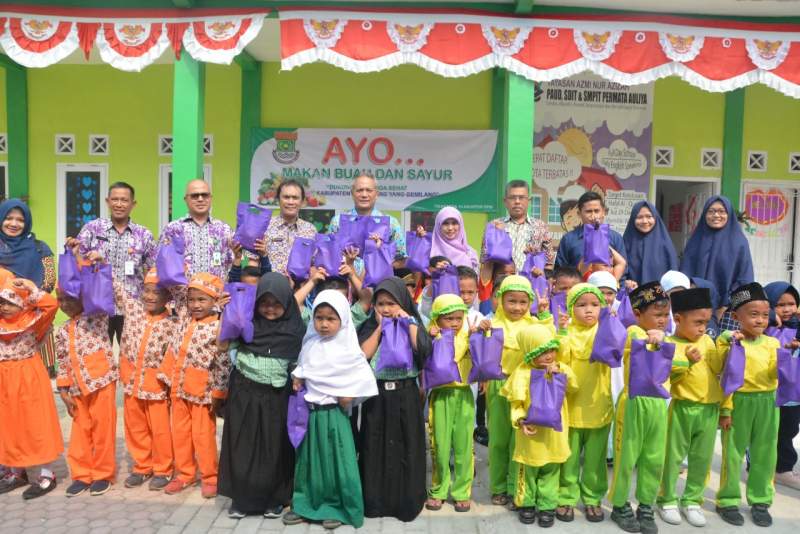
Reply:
x=287, y=225
x=207, y=240
x=128, y=247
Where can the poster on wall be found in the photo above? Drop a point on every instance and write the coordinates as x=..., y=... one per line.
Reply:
x=770, y=227
x=591, y=135
x=417, y=170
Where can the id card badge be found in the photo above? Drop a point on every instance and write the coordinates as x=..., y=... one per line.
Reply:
x=129, y=268
x=216, y=259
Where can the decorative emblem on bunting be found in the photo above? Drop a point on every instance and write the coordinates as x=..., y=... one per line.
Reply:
x=597, y=46
x=132, y=46
x=408, y=38
x=219, y=41
x=324, y=33
x=682, y=48
x=505, y=41
x=767, y=55
x=39, y=42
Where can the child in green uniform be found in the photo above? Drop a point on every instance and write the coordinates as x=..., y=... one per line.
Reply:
x=640, y=429
x=749, y=417
x=452, y=412
x=694, y=410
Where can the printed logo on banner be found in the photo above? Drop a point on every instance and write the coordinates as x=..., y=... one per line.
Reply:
x=285, y=152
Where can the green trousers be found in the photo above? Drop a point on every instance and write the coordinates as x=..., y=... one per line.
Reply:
x=502, y=470
x=691, y=433
x=639, y=442
x=589, y=484
x=452, y=417
x=754, y=426
x=537, y=486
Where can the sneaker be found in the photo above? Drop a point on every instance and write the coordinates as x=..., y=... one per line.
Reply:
x=761, y=516
x=42, y=486
x=669, y=514
x=290, y=518
x=99, y=487
x=624, y=518
x=235, y=513
x=12, y=481
x=158, y=483
x=527, y=515
x=208, y=491
x=546, y=518
x=731, y=514
x=76, y=488
x=135, y=480
x=331, y=524
x=647, y=521
x=789, y=479
x=274, y=513
x=175, y=485
x=481, y=435
x=694, y=515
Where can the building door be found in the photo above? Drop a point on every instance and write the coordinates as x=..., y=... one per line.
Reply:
x=3, y=180
x=165, y=191
x=680, y=203
x=80, y=190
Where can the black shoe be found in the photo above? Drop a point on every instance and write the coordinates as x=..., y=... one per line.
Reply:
x=481, y=435
x=99, y=487
x=158, y=483
x=291, y=518
x=12, y=481
x=624, y=518
x=42, y=486
x=76, y=488
x=761, y=516
x=647, y=521
x=568, y=516
x=527, y=515
x=235, y=513
x=547, y=518
x=731, y=514
x=273, y=513
x=135, y=480
x=331, y=524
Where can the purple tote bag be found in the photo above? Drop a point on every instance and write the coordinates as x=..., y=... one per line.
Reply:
x=784, y=335
x=378, y=224
x=625, y=310
x=237, y=319
x=419, y=252
x=540, y=286
x=732, y=377
x=533, y=261
x=558, y=303
x=352, y=231
x=547, y=398
x=170, y=264
x=487, y=353
x=609, y=341
x=650, y=369
x=499, y=248
x=378, y=262
x=445, y=281
x=97, y=289
x=596, y=245
x=297, y=417
x=328, y=253
x=69, y=275
x=251, y=224
x=441, y=367
x=395, y=345
x=300, y=258
x=788, y=378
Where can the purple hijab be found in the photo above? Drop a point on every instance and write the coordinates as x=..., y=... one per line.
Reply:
x=456, y=250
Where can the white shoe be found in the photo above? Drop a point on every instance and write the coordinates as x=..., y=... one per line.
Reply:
x=694, y=515
x=669, y=514
x=789, y=479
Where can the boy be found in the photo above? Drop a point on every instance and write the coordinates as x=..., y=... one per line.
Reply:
x=564, y=278
x=86, y=383
x=749, y=418
x=694, y=409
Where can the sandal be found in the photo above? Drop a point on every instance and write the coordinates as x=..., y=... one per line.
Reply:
x=594, y=514
x=565, y=514
x=462, y=506
x=500, y=499
x=433, y=504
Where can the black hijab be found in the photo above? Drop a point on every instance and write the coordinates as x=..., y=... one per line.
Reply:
x=283, y=337
x=397, y=289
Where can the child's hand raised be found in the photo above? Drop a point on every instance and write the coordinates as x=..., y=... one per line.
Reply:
x=485, y=325
x=737, y=335
x=563, y=320
x=543, y=303
x=693, y=354
x=261, y=247
x=237, y=252
x=421, y=231
x=377, y=239
x=435, y=331
x=655, y=336
x=350, y=255
x=471, y=327
x=224, y=299
x=317, y=274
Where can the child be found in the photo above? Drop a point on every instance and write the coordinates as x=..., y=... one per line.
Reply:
x=784, y=299
x=590, y=408
x=608, y=286
x=490, y=271
x=254, y=265
x=256, y=463
x=336, y=375
x=30, y=434
x=148, y=330
x=468, y=289
x=86, y=382
x=640, y=430
x=749, y=418
x=196, y=370
x=694, y=409
x=564, y=277
x=539, y=451
x=452, y=412
x=513, y=315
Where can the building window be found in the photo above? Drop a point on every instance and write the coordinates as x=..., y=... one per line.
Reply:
x=536, y=206
x=65, y=145
x=711, y=158
x=757, y=161
x=664, y=156
x=164, y=145
x=794, y=162
x=82, y=199
x=3, y=143
x=554, y=211
x=99, y=145
x=208, y=145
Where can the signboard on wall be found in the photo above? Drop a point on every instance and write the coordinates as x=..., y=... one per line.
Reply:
x=416, y=170
x=592, y=135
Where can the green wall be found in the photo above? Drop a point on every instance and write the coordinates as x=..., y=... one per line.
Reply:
x=772, y=123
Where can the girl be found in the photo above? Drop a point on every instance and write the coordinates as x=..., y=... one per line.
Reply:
x=392, y=434
x=257, y=460
x=336, y=376
x=648, y=244
x=450, y=239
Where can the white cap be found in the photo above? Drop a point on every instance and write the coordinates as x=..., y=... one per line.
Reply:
x=603, y=279
x=673, y=279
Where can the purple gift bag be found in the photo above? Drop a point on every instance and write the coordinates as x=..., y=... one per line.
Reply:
x=609, y=341
x=499, y=248
x=540, y=286
x=558, y=304
x=441, y=367
x=650, y=369
x=378, y=224
x=784, y=334
x=533, y=261
x=170, y=264
x=328, y=253
x=97, y=289
x=300, y=258
x=445, y=281
x=419, y=252
x=395, y=345
x=625, y=310
x=596, y=245
x=352, y=231
x=69, y=275
x=732, y=377
x=378, y=262
x=788, y=378
x=297, y=417
x=547, y=398
x=251, y=224
x=237, y=319
x=487, y=353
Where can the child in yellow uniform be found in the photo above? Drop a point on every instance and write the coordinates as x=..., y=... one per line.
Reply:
x=694, y=410
x=749, y=418
x=590, y=408
x=539, y=451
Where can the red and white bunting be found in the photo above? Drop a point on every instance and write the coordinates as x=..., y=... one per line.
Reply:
x=38, y=41
x=131, y=47
x=219, y=41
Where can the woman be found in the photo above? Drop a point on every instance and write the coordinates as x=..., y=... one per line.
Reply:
x=450, y=239
x=718, y=252
x=650, y=249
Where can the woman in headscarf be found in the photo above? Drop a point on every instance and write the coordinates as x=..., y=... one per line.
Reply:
x=392, y=434
x=718, y=252
x=450, y=239
x=257, y=461
x=650, y=249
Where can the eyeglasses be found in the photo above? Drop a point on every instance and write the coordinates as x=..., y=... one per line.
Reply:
x=517, y=198
x=199, y=196
x=717, y=212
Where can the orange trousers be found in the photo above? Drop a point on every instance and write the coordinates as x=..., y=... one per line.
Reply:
x=148, y=435
x=194, y=435
x=91, y=452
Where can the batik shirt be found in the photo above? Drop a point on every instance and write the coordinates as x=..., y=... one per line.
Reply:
x=207, y=247
x=20, y=338
x=280, y=237
x=84, y=355
x=529, y=232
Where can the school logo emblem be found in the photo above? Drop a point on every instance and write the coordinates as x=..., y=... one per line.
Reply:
x=285, y=152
